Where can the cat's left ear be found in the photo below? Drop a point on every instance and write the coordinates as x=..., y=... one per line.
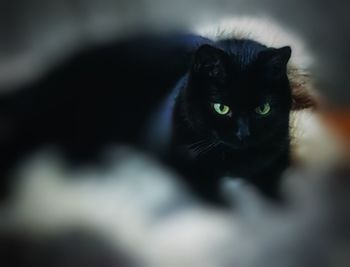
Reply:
x=210, y=62
x=275, y=60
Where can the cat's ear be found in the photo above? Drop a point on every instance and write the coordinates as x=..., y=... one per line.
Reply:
x=275, y=60
x=210, y=62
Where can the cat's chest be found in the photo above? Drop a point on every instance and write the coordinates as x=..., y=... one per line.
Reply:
x=234, y=163
x=218, y=159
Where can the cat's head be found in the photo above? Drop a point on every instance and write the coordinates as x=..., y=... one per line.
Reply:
x=238, y=93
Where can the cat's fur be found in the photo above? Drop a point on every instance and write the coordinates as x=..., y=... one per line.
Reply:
x=108, y=95
x=242, y=74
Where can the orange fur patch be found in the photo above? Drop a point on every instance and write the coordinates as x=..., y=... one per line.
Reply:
x=303, y=94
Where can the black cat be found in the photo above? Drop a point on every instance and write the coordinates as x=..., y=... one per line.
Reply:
x=209, y=109
x=232, y=115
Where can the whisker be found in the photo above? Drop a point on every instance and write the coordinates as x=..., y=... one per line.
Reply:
x=209, y=147
x=205, y=147
x=198, y=148
x=198, y=143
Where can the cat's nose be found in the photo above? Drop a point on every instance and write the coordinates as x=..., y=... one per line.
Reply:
x=242, y=129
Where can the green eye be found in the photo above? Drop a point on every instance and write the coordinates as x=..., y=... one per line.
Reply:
x=263, y=109
x=221, y=108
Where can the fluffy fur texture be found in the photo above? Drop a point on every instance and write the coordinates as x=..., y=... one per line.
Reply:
x=268, y=32
x=306, y=130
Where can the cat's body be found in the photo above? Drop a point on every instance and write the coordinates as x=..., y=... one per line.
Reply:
x=114, y=95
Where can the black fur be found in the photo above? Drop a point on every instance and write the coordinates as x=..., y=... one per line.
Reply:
x=243, y=75
x=107, y=95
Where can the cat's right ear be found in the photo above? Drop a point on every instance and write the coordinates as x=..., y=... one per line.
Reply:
x=275, y=60
x=210, y=62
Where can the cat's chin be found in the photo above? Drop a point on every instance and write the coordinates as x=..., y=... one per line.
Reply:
x=235, y=146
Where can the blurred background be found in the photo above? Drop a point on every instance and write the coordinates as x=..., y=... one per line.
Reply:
x=52, y=221
x=38, y=31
